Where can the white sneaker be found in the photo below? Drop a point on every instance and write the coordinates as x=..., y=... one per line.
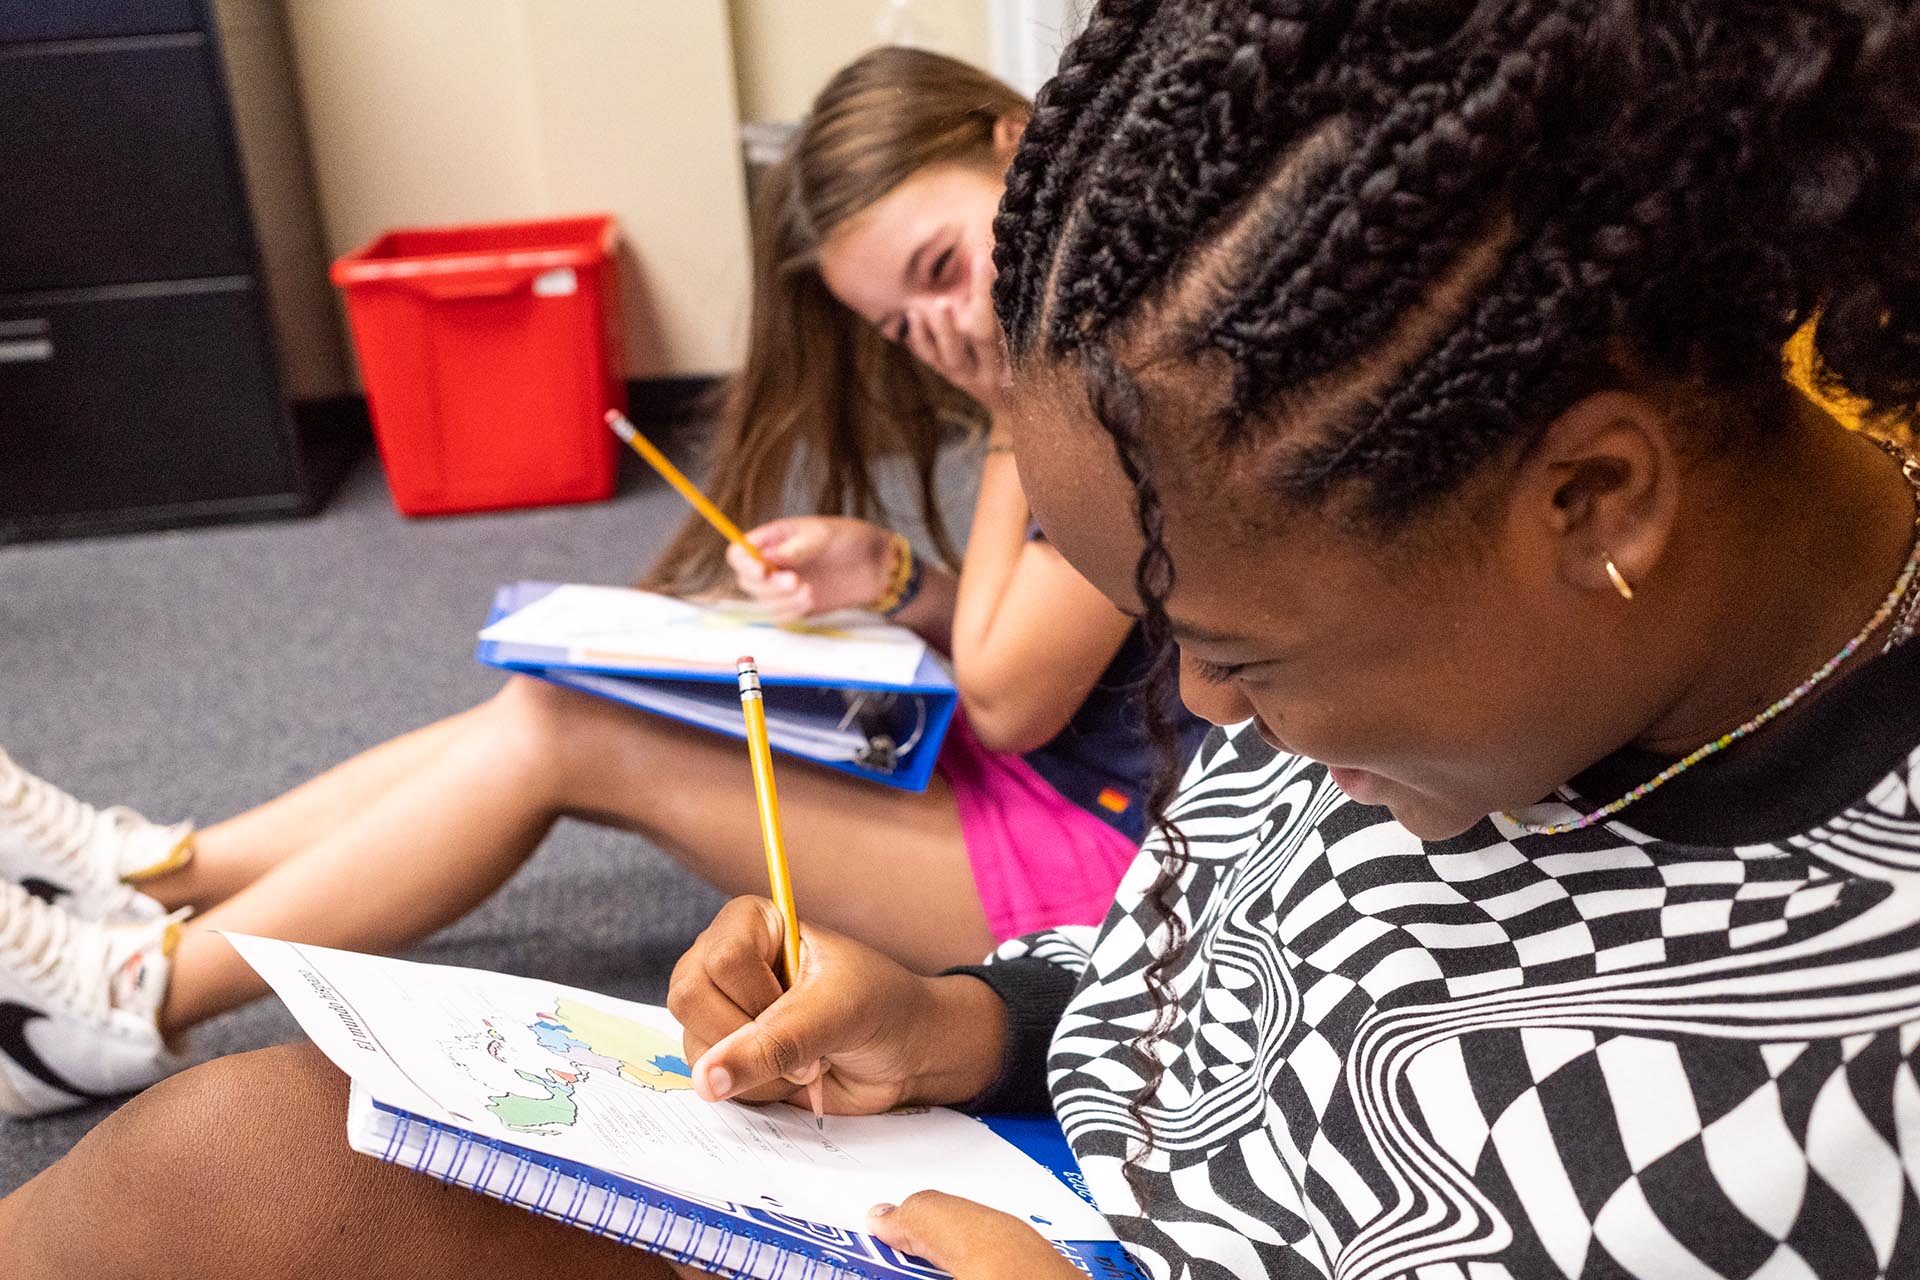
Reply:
x=79, y=1003
x=79, y=858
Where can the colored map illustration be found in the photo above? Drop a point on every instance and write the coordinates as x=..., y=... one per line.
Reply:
x=589, y=1042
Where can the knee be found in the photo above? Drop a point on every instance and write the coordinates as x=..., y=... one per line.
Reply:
x=535, y=711
x=529, y=721
x=192, y=1177
x=554, y=728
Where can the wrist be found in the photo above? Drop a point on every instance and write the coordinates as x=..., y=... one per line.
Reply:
x=902, y=578
x=960, y=1038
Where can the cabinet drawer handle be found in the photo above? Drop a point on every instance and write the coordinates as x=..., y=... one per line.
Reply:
x=26, y=350
x=25, y=342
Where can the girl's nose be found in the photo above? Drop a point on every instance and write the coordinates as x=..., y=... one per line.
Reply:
x=1218, y=702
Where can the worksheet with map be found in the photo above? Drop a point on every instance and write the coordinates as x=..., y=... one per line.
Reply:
x=600, y=1082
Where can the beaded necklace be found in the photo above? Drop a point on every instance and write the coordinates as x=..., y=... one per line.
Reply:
x=1907, y=617
x=1904, y=625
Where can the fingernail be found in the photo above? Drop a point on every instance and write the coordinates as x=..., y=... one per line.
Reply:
x=719, y=1081
x=882, y=1210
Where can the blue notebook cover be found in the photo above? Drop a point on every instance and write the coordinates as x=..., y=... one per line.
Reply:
x=728, y=1239
x=924, y=711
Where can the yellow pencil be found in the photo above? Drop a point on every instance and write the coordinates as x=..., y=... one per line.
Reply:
x=760, y=753
x=688, y=490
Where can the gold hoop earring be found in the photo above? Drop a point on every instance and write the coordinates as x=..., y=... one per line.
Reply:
x=1620, y=582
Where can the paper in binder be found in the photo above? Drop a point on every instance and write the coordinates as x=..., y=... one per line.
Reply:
x=579, y=1107
x=845, y=690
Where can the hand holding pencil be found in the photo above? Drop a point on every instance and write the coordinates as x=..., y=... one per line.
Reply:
x=794, y=567
x=894, y=1037
x=814, y=564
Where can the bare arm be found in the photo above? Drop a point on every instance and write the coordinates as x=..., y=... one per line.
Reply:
x=1030, y=635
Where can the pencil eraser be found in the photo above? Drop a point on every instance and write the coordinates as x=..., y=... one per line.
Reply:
x=745, y=660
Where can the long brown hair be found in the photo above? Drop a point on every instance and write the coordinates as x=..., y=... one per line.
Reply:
x=819, y=385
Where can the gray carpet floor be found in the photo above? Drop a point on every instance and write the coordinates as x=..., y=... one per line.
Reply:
x=198, y=673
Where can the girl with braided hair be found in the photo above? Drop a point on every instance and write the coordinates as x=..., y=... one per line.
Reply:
x=1548, y=903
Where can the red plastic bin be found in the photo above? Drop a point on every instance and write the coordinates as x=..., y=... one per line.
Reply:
x=491, y=355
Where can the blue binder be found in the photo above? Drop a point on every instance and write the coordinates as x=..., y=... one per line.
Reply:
x=885, y=733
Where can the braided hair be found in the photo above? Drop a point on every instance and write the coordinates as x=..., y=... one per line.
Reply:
x=1437, y=224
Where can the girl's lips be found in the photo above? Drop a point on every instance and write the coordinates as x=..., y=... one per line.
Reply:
x=1361, y=786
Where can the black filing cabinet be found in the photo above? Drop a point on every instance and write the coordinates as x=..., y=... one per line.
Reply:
x=138, y=380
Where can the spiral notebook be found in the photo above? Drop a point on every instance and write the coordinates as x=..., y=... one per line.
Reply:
x=579, y=1107
x=848, y=691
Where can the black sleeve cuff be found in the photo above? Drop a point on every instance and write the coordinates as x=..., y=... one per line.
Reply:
x=1035, y=993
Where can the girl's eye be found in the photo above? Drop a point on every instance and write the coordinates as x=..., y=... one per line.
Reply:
x=938, y=272
x=1217, y=672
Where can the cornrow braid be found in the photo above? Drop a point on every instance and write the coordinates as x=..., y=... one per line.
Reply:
x=1414, y=232
x=1390, y=222
x=1088, y=83
x=1197, y=139
x=1444, y=422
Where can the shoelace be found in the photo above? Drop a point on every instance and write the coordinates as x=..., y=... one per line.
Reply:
x=56, y=821
x=67, y=960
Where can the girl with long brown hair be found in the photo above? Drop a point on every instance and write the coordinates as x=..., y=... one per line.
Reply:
x=872, y=335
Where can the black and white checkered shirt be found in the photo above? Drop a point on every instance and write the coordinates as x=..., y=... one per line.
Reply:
x=1682, y=1048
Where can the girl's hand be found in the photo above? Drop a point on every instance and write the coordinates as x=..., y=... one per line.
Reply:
x=960, y=339
x=968, y=1239
x=886, y=1035
x=815, y=564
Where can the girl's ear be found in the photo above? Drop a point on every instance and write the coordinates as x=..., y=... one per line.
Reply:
x=1006, y=136
x=1602, y=487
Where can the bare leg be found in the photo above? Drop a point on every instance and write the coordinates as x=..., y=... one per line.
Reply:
x=887, y=867
x=231, y=855
x=241, y=1168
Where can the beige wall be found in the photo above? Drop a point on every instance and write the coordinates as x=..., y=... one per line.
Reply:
x=279, y=180
x=432, y=111
x=784, y=50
